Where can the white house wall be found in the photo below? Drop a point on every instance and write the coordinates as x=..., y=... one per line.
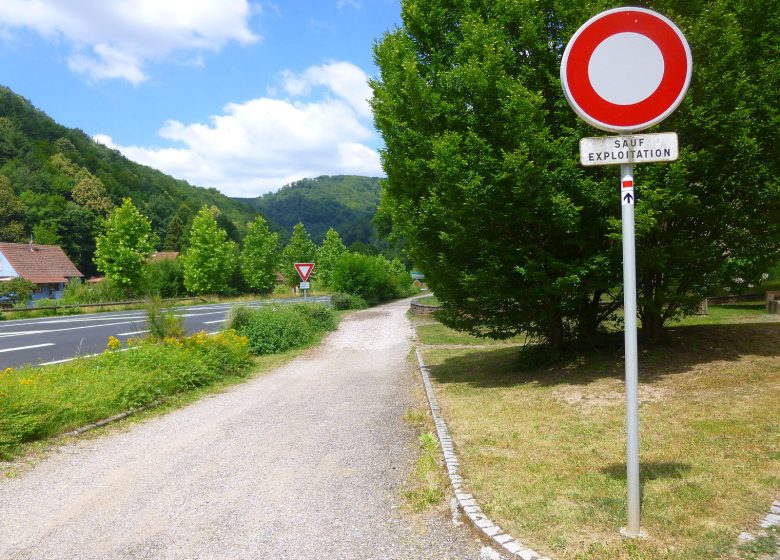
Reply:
x=6, y=270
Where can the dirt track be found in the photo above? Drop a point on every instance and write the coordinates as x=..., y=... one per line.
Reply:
x=307, y=462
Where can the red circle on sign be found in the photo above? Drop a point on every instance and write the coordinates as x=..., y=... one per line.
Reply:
x=660, y=103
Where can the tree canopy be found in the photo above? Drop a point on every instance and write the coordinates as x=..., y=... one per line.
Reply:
x=483, y=180
x=210, y=257
x=125, y=244
x=260, y=256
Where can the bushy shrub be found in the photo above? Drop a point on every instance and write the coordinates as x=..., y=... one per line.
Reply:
x=271, y=330
x=373, y=278
x=238, y=316
x=163, y=278
x=340, y=300
x=318, y=316
x=79, y=293
x=16, y=291
x=277, y=329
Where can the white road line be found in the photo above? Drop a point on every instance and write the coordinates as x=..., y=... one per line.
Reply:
x=203, y=314
x=77, y=357
x=212, y=322
x=27, y=347
x=20, y=333
x=130, y=333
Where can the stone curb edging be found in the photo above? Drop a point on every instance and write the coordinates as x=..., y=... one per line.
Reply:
x=506, y=543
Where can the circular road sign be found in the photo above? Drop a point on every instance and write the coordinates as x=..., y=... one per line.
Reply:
x=626, y=69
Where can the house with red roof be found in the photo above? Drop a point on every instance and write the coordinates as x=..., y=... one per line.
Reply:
x=46, y=266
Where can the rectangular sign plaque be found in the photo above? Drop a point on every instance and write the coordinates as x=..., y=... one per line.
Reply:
x=634, y=148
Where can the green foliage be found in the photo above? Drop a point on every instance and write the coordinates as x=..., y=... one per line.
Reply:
x=276, y=329
x=374, y=279
x=50, y=166
x=317, y=315
x=163, y=278
x=210, y=257
x=16, y=291
x=260, y=257
x=11, y=214
x=36, y=404
x=79, y=293
x=163, y=322
x=345, y=203
x=484, y=186
x=328, y=253
x=341, y=301
x=125, y=244
x=300, y=249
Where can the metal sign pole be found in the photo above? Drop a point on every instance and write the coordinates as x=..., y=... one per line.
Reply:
x=632, y=368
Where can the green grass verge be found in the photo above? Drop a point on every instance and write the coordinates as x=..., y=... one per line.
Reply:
x=37, y=403
x=543, y=447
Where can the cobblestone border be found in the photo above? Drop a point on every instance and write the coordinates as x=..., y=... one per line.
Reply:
x=504, y=542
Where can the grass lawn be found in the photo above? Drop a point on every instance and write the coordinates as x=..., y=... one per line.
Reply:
x=542, y=448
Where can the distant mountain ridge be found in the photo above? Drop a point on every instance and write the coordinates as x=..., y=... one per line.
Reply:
x=62, y=182
x=57, y=183
x=346, y=203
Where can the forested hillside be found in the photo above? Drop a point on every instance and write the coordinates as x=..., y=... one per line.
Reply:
x=56, y=184
x=346, y=203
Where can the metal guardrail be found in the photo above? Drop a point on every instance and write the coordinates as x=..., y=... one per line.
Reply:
x=98, y=305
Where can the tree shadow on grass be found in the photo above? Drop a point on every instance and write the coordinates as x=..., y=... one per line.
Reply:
x=648, y=472
x=652, y=470
x=684, y=348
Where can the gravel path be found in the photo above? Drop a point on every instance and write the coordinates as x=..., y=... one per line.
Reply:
x=307, y=462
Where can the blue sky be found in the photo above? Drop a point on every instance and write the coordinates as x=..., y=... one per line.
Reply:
x=241, y=95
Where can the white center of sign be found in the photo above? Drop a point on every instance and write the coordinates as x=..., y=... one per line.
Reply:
x=626, y=68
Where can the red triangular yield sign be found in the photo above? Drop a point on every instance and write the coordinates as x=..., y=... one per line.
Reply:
x=304, y=270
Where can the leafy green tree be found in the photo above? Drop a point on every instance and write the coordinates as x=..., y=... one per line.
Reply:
x=210, y=256
x=711, y=220
x=11, y=213
x=90, y=193
x=300, y=249
x=484, y=186
x=125, y=244
x=260, y=256
x=174, y=234
x=328, y=253
x=482, y=179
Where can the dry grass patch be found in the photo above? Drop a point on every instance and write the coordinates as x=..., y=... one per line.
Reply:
x=543, y=446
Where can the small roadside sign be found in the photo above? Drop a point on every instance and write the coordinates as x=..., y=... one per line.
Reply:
x=305, y=285
x=636, y=148
x=304, y=270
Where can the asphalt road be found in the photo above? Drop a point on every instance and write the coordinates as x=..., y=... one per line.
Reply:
x=55, y=339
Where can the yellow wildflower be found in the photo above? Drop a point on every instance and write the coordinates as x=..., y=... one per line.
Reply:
x=113, y=344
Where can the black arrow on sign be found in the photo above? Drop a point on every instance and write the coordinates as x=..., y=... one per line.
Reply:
x=628, y=198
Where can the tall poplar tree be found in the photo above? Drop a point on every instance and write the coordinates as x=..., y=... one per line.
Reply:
x=210, y=257
x=124, y=245
x=260, y=256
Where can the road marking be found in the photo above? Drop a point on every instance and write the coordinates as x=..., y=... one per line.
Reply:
x=130, y=333
x=212, y=322
x=20, y=333
x=27, y=347
x=77, y=357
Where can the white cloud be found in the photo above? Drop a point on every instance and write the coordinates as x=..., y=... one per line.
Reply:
x=265, y=143
x=344, y=79
x=115, y=39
